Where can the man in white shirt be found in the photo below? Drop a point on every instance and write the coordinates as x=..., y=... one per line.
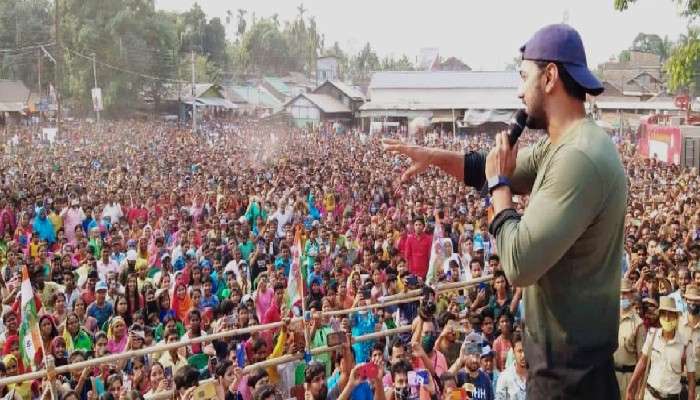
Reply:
x=512, y=382
x=112, y=210
x=106, y=265
x=283, y=215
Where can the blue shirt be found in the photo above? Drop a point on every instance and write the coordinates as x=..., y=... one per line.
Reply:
x=211, y=302
x=101, y=314
x=482, y=384
x=282, y=263
x=362, y=324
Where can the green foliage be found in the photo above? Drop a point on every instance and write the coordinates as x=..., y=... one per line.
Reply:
x=23, y=23
x=141, y=51
x=684, y=63
x=624, y=56
x=652, y=43
x=690, y=8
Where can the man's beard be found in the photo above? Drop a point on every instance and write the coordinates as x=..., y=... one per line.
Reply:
x=537, y=121
x=536, y=118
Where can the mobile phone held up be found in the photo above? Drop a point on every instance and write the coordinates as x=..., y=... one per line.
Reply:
x=417, y=378
x=368, y=371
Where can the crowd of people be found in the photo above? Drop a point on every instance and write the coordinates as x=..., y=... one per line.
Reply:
x=137, y=234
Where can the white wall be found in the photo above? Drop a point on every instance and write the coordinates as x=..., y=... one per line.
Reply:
x=455, y=96
x=302, y=108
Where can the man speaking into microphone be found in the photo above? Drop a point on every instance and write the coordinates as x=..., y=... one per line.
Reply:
x=566, y=249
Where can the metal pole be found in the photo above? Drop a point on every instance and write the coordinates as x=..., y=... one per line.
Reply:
x=94, y=74
x=38, y=66
x=406, y=297
x=454, y=125
x=287, y=358
x=58, y=66
x=194, y=100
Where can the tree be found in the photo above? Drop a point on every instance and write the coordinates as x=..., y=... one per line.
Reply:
x=691, y=7
x=241, y=22
x=684, y=63
x=363, y=64
x=389, y=63
x=653, y=43
x=215, y=41
x=266, y=49
x=23, y=23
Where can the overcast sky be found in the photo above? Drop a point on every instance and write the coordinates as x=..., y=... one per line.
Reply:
x=486, y=34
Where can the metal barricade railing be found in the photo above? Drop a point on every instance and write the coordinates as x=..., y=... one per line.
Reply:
x=409, y=296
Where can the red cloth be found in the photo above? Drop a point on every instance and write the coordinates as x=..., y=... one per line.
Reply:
x=272, y=314
x=137, y=213
x=418, y=253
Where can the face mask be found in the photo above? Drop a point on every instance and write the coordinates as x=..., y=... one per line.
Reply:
x=402, y=393
x=668, y=325
x=694, y=308
x=429, y=342
x=625, y=304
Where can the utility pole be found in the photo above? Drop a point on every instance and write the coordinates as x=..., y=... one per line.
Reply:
x=59, y=60
x=38, y=68
x=180, y=106
x=194, y=100
x=94, y=74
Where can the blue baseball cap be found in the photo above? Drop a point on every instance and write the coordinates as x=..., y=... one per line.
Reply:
x=562, y=43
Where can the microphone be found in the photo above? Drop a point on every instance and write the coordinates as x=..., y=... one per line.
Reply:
x=518, y=124
x=475, y=161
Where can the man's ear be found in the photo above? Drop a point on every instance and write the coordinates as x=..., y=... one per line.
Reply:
x=551, y=75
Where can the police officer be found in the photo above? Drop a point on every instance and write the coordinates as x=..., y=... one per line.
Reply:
x=630, y=337
x=689, y=325
x=669, y=351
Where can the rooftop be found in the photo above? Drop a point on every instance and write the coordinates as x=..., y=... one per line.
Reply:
x=444, y=79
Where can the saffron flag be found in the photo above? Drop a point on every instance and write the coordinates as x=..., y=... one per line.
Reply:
x=295, y=286
x=29, y=335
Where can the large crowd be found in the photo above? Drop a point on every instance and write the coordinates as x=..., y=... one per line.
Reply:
x=136, y=234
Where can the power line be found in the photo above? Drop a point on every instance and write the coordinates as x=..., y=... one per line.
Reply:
x=32, y=47
x=104, y=64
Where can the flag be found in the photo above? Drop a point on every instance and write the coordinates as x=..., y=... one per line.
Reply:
x=295, y=286
x=29, y=335
x=68, y=338
x=437, y=256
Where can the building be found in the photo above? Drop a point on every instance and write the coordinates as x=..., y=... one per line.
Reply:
x=277, y=88
x=209, y=99
x=454, y=64
x=333, y=102
x=327, y=69
x=259, y=102
x=641, y=76
x=451, y=99
x=14, y=101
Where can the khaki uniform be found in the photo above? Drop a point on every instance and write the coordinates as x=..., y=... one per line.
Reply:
x=667, y=362
x=630, y=339
x=692, y=332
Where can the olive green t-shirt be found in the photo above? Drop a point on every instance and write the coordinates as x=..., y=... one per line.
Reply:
x=566, y=251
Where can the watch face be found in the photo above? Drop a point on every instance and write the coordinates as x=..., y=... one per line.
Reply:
x=492, y=181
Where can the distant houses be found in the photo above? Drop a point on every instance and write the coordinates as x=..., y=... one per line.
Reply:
x=17, y=102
